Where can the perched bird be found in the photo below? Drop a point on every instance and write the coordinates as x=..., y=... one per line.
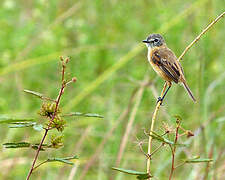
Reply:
x=165, y=63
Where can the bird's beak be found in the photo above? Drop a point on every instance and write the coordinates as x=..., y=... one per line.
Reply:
x=146, y=41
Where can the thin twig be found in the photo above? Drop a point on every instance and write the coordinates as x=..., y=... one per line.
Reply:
x=173, y=151
x=179, y=165
x=158, y=104
x=141, y=149
x=156, y=150
x=199, y=36
x=207, y=168
x=152, y=128
x=40, y=164
x=52, y=119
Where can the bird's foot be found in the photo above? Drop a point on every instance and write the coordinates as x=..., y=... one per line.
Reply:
x=160, y=100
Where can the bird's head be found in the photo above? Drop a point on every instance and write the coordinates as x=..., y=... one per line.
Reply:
x=154, y=40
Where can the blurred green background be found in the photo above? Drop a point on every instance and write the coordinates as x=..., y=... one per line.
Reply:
x=103, y=40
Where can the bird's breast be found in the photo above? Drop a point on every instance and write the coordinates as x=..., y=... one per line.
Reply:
x=156, y=68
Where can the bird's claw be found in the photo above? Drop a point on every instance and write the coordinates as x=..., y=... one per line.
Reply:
x=159, y=100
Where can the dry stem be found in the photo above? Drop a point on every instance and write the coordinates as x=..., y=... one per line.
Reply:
x=131, y=120
x=159, y=103
x=199, y=36
x=100, y=147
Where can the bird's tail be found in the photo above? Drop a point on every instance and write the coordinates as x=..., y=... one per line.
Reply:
x=189, y=91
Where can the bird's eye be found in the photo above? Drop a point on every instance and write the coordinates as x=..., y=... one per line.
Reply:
x=156, y=40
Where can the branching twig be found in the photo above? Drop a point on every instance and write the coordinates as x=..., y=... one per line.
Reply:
x=156, y=150
x=173, y=150
x=141, y=149
x=159, y=103
x=40, y=164
x=52, y=119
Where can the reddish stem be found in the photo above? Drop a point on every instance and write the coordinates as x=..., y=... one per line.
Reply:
x=173, y=150
x=48, y=128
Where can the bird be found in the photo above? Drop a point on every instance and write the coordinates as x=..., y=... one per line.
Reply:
x=165, y=63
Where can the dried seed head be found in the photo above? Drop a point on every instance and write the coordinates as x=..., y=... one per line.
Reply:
x=74, y=79
x=168, y=129
x=189, y=133
x=67, y=60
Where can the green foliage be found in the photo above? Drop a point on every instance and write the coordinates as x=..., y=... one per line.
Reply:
x=37, y=94
x=140, y=175
x=5, y=119
x=165, y=140
x=63, y=160
x=26, y=145
x=85, y=114
x=21, y=125
x=198, y=160
x=16, y=145
x=20, y=122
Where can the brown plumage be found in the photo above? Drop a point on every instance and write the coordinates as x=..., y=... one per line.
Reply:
x=165, y=63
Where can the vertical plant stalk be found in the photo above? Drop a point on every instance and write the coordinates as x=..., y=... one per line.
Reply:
x=53, y=117
x=173, y=151
x=158, y=104
x=152, y=128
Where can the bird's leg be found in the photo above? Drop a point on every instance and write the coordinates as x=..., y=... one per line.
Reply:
x=163, y=94
x=163, y=91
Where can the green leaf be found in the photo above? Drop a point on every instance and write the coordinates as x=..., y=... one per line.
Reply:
x=164, y=140
x=199, y=160
x=37, y=94
x=9, y=120
x=85, y=114
x=63, y=160
x=70, y=158
x=16, y=145
x=22, y=124
x=141, y=175
x=35, y=147
x=38, y=127
x=23, y=145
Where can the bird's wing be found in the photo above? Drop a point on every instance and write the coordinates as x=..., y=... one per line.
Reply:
x=167, y=62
